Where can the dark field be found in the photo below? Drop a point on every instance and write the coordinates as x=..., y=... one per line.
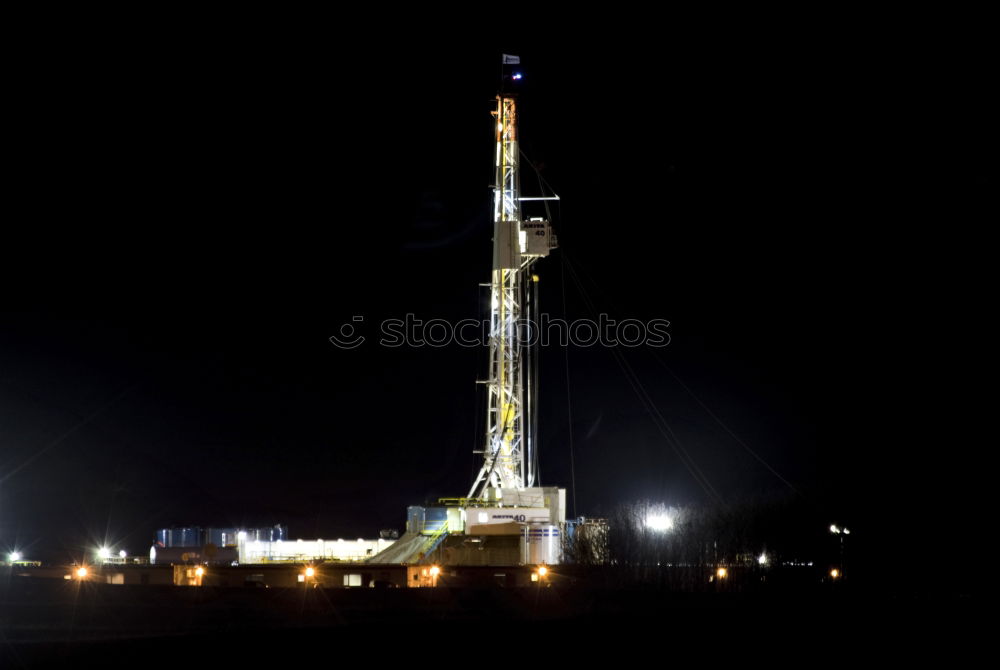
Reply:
x=53, y=623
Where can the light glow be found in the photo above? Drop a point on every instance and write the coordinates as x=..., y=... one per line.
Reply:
x=81, y=572
x=104, y=553
x=721, y=573
x=834, y=529
x=310, y=572
x=661, y=523
x=199, y=571
x=762, y=559
x=835, y=573
x=435, y=571
x=542, y=571
x=15, y=556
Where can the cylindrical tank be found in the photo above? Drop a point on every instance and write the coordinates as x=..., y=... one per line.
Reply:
x=187, y=537
x=414, y=518
x=541, y=543
x=221, y=537
x=267, y=533
x=209, y=554
x=194, y=536
x=420, y=519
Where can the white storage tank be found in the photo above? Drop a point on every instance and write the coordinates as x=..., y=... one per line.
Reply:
x=541, y=543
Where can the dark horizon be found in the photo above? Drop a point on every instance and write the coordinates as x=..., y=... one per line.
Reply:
x=189, y=236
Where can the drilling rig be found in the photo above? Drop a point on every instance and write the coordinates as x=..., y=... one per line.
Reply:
x=505, y=508
x=510, y=453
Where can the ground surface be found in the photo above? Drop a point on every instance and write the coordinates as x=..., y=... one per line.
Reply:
x=48, y=622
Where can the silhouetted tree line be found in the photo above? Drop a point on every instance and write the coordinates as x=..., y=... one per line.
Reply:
x=684, y=547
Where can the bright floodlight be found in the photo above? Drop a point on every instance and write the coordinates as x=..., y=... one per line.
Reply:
x=310, y=572
x=659, y=522
x=104, y=552
x=81, y=572
x=834, y=529
x=15, y=556
x=542, y=570
x=435, y=571
x=762, y=559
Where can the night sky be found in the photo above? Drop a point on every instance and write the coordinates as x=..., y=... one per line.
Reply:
x=187, y=226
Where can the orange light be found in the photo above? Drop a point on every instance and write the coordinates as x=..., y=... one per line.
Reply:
x=81, y=572
x=542, y=571
x=835, y=573
x=721, y=573
x=435, y=571
x=199, y=571
x=310, y=572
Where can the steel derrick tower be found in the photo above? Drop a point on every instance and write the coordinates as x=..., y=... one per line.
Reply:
x=509, y=450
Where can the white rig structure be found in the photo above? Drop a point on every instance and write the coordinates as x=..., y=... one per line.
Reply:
x=511, y=424
x=505, y=510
